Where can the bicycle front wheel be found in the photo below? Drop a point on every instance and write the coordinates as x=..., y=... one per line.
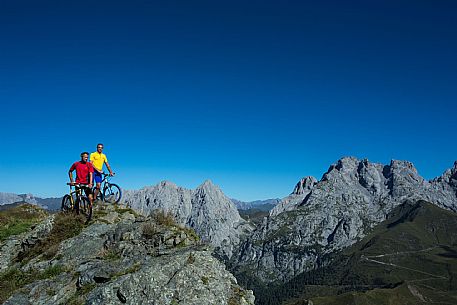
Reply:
x=66, y=204
x=84, y=207
x=112, y=193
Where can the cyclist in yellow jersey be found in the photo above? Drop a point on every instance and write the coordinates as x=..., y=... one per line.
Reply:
x=97, y=159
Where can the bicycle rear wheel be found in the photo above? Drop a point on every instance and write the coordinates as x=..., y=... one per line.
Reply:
x=112, y=193
x=66, y=204
x=84, y=207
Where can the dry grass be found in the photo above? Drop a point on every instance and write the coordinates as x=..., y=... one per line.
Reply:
x=164, y=218
x=65, y=226
x=149, y=230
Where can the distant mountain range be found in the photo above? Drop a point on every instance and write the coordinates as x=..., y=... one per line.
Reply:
x=52, y=204
x=262, y=205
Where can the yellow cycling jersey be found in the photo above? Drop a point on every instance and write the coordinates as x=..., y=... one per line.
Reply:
x=98, y=160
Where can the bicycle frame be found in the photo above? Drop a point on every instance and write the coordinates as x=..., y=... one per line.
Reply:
x=77, y=193
x=106, y=188
x=104, y=183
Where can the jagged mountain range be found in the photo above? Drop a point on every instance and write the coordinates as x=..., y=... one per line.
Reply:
x=322, y=217
x=262, y=205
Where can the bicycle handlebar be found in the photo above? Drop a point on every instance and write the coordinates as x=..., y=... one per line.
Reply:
x=77, y=184
x=105, y=175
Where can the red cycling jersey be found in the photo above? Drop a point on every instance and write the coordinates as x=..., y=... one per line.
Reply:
x=82, y=171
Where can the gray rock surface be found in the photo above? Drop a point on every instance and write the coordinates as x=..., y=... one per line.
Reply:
x=10, y=247
x=126, y=258
x=321, y=218
x=206, y=209
x=301, y=190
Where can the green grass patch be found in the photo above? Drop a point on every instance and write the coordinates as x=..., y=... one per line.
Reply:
x=120, y=210
x=191, y=233
x=19, y=219
x=14, y=279
x=398, y=295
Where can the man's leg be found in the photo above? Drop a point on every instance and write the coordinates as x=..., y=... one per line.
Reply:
x=89, y=195
x=98, y=182
x=97, y=189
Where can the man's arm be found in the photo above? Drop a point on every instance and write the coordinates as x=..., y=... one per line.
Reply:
x=109, y=168
x=70, y=172
x=91, y=179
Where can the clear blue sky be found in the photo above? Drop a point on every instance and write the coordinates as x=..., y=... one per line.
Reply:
x=253, y=95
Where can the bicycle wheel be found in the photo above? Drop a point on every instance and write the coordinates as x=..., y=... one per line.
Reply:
x=84, y=207
x=112, y=193
x=66, y=204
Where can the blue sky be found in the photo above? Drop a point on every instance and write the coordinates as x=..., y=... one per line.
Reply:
x=253, y=95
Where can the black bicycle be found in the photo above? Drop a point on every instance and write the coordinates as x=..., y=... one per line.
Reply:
x=109, y=192
x=76, y=201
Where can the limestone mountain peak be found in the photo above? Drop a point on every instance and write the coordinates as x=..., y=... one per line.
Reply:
x=305, y=184
x=206, y=209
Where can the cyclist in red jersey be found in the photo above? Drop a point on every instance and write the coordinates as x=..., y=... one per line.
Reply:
x=84, y=174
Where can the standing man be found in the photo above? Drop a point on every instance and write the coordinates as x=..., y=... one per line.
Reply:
x=84, y=174
x=97, y=159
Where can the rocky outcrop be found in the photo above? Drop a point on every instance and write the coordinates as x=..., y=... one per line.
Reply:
x=352, y=197
x=125, y=258
x=206, y=209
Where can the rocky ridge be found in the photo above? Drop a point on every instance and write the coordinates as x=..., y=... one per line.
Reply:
x=320, y=218
x=46, y=203
x=206, y=209
x=259, y=204
x=120, y=258
x=9, y=198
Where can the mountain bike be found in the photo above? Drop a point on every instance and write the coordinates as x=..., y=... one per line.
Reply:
x=109, y=192
x=76, y=201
